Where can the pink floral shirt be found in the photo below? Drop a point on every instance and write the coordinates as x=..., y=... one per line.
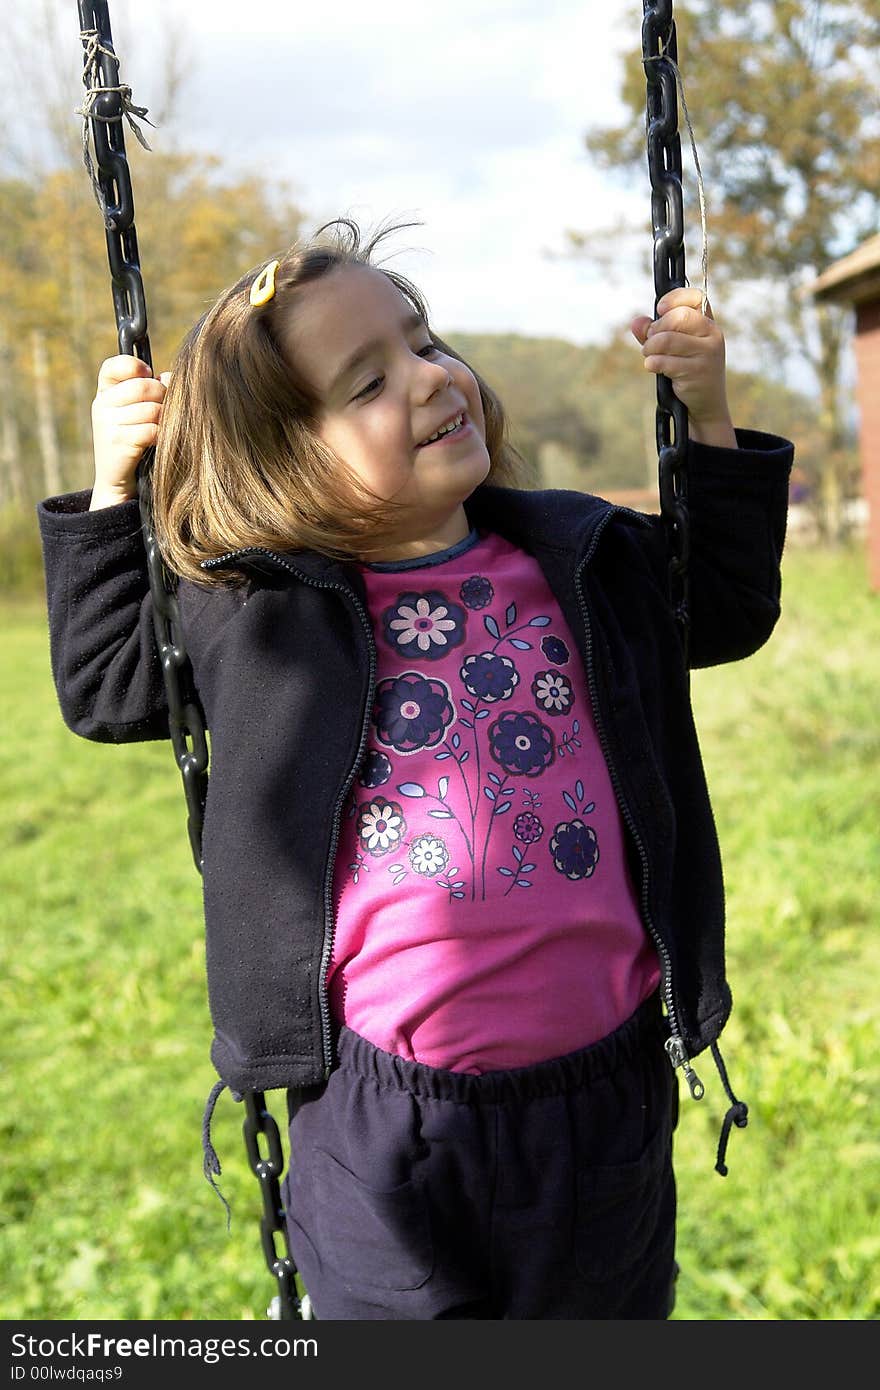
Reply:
x=485, y=915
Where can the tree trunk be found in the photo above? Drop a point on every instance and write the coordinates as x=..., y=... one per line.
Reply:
x=46, y=432
x=12, y=488
x=79, y=386
x=833, y=482
x=649, y=424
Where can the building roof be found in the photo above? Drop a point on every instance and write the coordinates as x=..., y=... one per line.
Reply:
x=852, y=279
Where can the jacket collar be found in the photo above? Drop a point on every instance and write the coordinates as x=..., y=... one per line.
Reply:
x=551, y=518
x=558, y=519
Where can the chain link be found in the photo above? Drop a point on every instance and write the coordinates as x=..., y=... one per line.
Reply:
x=106, y=104
x=659, y=44
x=268, y=1171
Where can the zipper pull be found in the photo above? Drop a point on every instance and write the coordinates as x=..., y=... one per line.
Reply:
x=679, y=1058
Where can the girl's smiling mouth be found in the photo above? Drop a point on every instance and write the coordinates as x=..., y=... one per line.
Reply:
x=456, y=428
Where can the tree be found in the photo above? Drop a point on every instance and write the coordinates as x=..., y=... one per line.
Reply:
x=786, y=111
x=199, y=227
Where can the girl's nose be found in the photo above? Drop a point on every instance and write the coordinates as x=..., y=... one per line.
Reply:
x=435, y=378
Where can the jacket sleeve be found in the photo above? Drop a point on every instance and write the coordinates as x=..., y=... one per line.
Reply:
x=105, y=662
x=738, y=511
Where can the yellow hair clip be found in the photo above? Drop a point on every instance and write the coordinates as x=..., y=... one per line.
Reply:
x=263, y=288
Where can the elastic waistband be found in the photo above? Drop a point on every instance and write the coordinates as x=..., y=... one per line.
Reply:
x=553, y=1077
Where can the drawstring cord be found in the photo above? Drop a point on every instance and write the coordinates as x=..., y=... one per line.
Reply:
x=211, y=1164
x=738, y=1114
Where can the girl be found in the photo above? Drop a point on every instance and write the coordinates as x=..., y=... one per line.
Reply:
x=462, y=887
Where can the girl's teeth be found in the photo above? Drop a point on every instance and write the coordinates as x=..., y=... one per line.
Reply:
x=443, y=433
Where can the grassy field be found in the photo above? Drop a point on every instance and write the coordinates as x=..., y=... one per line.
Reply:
x=105, y=1212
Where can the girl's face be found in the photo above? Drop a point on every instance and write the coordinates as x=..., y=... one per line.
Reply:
x=377, y=411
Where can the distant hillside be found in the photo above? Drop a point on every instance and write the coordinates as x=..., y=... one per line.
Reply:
x=584, y=417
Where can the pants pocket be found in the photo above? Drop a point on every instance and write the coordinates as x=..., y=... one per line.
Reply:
x=377, y=1239
x=619, y=1210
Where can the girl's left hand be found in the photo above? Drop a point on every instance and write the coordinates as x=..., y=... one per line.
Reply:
x=687, y=346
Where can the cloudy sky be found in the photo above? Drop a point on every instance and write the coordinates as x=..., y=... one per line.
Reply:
x=465, y=115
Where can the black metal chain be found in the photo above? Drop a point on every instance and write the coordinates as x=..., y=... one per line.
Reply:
x=659, y=44
x=104, y=109
x=106, y=104
x=287, y=1305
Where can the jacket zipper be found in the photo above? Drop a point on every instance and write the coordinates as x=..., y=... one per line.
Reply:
x=674, y=1045
x=329, y=914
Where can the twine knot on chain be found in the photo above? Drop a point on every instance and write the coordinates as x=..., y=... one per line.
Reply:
x=91, y=81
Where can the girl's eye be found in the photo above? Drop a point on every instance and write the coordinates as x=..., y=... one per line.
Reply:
x=367, y=389
x=423, y=352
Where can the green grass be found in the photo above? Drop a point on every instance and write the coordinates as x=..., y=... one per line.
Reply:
x=105, y=1212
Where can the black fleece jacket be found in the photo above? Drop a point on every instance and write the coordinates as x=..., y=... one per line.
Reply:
x=284, y=668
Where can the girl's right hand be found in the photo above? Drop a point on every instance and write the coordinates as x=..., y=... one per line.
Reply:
x=125, y=422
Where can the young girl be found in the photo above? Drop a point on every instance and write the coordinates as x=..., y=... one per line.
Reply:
x=462, y=887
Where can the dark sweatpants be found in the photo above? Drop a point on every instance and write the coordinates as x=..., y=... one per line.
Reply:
x=541, y=1192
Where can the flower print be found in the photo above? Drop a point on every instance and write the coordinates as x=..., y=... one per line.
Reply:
x=574, y=849
x=476, y=592
x=428, y=855
x=412, y=711
x=424, y=625
x=552, y=691
x=490, y=676
x=555, y=650
x=376, y=769
x=521, y=743
x=380, y=826
x=528, y=828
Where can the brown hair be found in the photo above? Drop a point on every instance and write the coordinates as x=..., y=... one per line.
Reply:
x=237, y=460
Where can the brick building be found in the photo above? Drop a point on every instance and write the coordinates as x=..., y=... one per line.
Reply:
x=855, y=280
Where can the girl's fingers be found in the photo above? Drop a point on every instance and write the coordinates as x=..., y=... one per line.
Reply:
x=130, y=391
x=137, y=438
x=687, y=297
x=687, y=347
x=140, y=413
x=639, y=326
x=684, y=320
x=665, y=366
x=674, y=344
x=123, y=367
x=680, y=309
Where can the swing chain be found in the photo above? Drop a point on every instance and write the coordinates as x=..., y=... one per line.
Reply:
x=659, y=43
x=104, y=108
x=287, y=1306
